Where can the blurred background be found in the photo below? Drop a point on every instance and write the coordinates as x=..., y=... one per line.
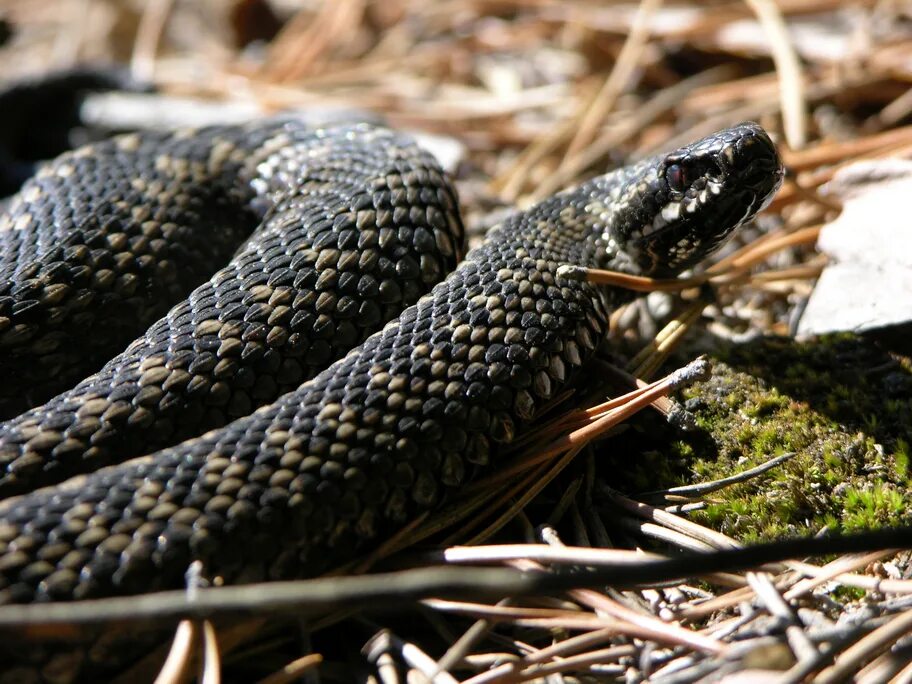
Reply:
x=539, y=92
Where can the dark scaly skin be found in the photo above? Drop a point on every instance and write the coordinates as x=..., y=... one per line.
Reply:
x=359, y=224
x=112, y=234
x=389, y=429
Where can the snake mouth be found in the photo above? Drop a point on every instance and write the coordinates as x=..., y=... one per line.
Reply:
x=684, y=202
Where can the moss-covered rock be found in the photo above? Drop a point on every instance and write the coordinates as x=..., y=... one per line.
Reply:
x=842, y=405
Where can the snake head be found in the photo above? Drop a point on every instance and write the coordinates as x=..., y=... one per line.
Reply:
x=679, y=207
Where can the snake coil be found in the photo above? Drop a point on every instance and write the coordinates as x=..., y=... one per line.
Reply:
x=298, y=474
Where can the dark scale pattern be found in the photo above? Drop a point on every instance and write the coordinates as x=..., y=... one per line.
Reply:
x=113, y=234
x=358, y=224
x=389, y=429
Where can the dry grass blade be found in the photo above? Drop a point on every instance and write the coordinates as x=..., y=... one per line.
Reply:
x=543, y=553
x=904, y=676
x=596, y=425
x=461, y=648
x=579, y=427
x=294, y=670
x=716, y=604
x=304, y=40
x=654, y=628
x=788, y=69
x=725, y=271
x=831, y=571
x=573, y=663
x=498, y=613
x=536, y=668
x=864, y=649
x=151, y=25
x=835, y=151
x=177, y=665
x=613, y=138
x=702, y=488
x=866, y=582
x=511, y=182
x=674, y=522
x=651, y=627
x=616, y=82
x=531, y=486
x=652, y=356
x=772, y=600
x=211, y=669
x=385, y=641
x=540, y=663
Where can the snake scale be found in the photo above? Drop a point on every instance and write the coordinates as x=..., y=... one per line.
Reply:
x=331, y=421
x=357, y=224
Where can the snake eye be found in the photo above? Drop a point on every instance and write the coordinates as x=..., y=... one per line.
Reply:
x=674, y=174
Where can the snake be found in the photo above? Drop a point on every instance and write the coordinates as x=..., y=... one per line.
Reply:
x=356, y=224
x=347, y=370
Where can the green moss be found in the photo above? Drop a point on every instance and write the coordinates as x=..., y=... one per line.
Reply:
x=843, y=593
x=841, y=405
x=868, y=508
x=767, y=405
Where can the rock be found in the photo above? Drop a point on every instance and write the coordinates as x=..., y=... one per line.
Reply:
x=868, y=284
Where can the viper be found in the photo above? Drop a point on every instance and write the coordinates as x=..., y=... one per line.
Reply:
x=342, y=390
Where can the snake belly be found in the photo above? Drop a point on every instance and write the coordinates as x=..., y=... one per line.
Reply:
x=357, y=223
x=403, y=419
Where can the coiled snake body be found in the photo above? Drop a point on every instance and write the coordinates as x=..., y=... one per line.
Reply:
x=357, y=225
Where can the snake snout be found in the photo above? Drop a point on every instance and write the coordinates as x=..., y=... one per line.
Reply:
x=754, y=163
x=699, y=194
